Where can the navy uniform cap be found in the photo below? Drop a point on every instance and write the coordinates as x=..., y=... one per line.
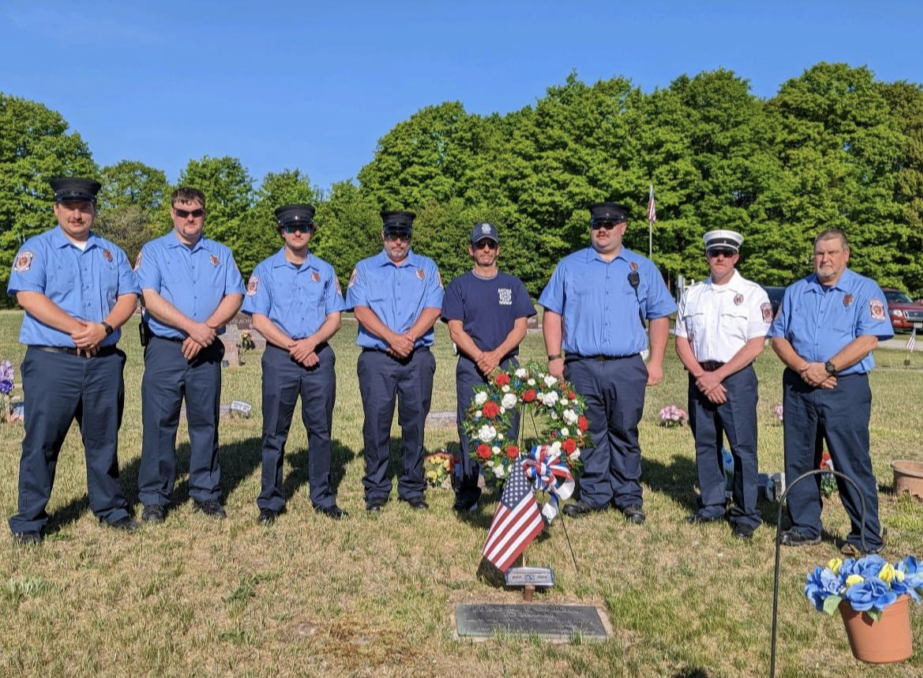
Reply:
x=723, y=238
x=68, y=189
x=484, y=231
x=397, y=222
x=295, y=214
x=608, y=211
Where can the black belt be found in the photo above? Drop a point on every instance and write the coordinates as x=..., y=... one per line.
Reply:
x=385, y=351
x=101, y=353
x=711, y=365
x=571, y=357
x=320, y=347
x=173, y=339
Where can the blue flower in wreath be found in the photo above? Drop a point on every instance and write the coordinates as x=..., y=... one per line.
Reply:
x=911, y=579
x=821, y=584
x=870, y=593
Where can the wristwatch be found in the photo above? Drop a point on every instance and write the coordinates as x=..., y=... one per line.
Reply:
x=108, y=327
x=830, y=367
x=554, y=357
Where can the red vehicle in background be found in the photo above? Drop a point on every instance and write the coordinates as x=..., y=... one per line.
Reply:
x=906, y=314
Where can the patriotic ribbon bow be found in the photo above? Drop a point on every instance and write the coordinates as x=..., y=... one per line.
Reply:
x=547, y=471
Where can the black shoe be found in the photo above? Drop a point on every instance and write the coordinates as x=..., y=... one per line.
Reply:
x=699, y=519
x=126, y=524
x=741, y=531
x=211, y=508
x=334, y=511
x=580, y=508
x=268, y=516
x=154, y=513
x=634, y=513
x=796, y=538
x=855, y=551
x=416, y=503
x=465, y=505
x=375, y=505
x=28, y=538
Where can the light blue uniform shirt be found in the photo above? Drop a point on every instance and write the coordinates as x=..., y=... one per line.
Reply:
x=296, y=300
x=602, y=315
x=818, y=321
x=84, y=284
x=396, y=294
x=194, y=280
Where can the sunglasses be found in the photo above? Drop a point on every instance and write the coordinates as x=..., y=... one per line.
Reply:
x=489, y=244
x=715, y=252
x=185, y=214
x=608, y=225
x=296, y=228
x=393, y=237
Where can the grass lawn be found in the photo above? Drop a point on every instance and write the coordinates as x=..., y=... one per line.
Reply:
x=373, y=595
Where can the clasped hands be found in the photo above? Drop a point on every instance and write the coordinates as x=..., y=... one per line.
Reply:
x=199, y=336
x=709, y=383
x=401, y=345
x=87, y=337
x=816, y=375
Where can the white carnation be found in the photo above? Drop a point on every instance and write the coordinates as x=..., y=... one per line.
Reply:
x=487, y=433
x=564, y=402
x=480, y=398
x=531, y=382
x=575, y=454
x=499, y=471
x=499, y=436
x=502, y=410
x=495, y=449
x=549, y=399
x=477, y=414
x=554, y=416
x=565, y=432
x=505, y=389
x=550, y=381
x=522, y=373
x=570, y=417
x=509, y=401
x=556, y=446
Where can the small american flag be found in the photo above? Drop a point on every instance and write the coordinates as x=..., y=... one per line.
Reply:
x=516, y=523
x=912, y=342
x=651, y=210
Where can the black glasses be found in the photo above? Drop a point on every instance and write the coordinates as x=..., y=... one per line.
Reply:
x=489, y=244
x=392, y=237
x=295, y=228
x=714, y=252
x=185, y=214
x=608, y=225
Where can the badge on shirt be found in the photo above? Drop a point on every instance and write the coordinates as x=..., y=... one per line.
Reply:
x=506, y=297
x=23, y=262
x=253, y=285
x=107, y=255
x=738, y=299
x=877, y=309
x=847, y=300
x=315, y=276
x=214, y=259
x=138, y=260
x=421, y=274
x=634, y=266
x=766, y=310
x=353, y=277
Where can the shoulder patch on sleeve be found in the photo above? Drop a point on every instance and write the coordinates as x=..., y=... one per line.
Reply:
x=439, y=279
x=877, y=309
x=766, y=310
x=23, y=261
x=253, y=285
x=353, y=277
x=336, y=281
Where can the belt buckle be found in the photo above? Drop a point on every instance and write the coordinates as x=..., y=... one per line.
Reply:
x=600, y=358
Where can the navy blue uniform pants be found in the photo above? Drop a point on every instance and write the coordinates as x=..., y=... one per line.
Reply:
x=842, y=413
x=467, y=376
x=284, y=379
x=58, y=389
x=168, y=379
x=614, y=393
x=382, y=379
x=710, y=423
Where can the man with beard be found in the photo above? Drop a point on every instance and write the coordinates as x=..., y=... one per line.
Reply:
x=487, y=311
x=397, y=298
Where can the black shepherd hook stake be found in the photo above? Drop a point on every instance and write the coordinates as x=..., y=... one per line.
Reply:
x=775, y=584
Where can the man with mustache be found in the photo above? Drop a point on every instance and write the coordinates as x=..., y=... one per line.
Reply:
x=77, y=290
x=397, y=298
x=296, y=301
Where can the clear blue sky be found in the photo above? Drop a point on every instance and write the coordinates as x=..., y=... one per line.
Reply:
x=315, y=85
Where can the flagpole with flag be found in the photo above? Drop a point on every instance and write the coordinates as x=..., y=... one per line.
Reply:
x=651, y=218
x=912, y=341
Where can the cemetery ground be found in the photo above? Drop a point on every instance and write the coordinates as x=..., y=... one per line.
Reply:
x=373, y=595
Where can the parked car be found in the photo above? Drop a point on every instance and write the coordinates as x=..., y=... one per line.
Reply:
x=775, y=297
x=906, y=314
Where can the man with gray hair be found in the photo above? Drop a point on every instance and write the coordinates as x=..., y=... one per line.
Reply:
x=825, y=331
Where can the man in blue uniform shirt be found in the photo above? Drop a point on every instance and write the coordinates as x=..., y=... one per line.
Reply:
x=595, y=306
x=487, y=312
x=191, y=289
x=77, y=290
x=721, y=328
x=295, y=301
x=825, y=331
x=397, y=298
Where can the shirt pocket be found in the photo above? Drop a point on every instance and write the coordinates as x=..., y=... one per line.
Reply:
x=733, y=323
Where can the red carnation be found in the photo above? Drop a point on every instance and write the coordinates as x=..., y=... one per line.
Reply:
x=583, y=424
x=502, y=379
x=529, y=396
x=571, y=395
x=569, y=446
x=483, y=452
x=491, y=410
x=512, y=451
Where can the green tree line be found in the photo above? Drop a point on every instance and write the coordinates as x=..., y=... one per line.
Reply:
x=834, y=148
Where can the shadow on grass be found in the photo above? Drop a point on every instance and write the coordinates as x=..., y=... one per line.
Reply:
x=299, y=477
x=692, y=673
x=675, y=480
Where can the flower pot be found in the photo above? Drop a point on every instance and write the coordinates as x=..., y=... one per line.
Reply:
x=882, y=642
x=908, y=477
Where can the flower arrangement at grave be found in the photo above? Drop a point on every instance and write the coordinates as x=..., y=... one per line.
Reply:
x=672, y=416
x=778, y=412
x=438, y=468
x=6, y=392
x=548, y=406
x=827, y=480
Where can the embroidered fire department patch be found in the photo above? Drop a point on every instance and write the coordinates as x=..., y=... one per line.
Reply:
x=353, y=277
x=138, y=261
x=738, y=299
x=877, y=309
x=253, y=285
x=214, y=259
x=107, y=255
x=23, y=262
x=766, y=310
x=315, y=276
x=847, y=300
x=421, y=274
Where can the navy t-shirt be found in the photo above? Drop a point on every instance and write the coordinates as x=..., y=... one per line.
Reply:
x=488, y=309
